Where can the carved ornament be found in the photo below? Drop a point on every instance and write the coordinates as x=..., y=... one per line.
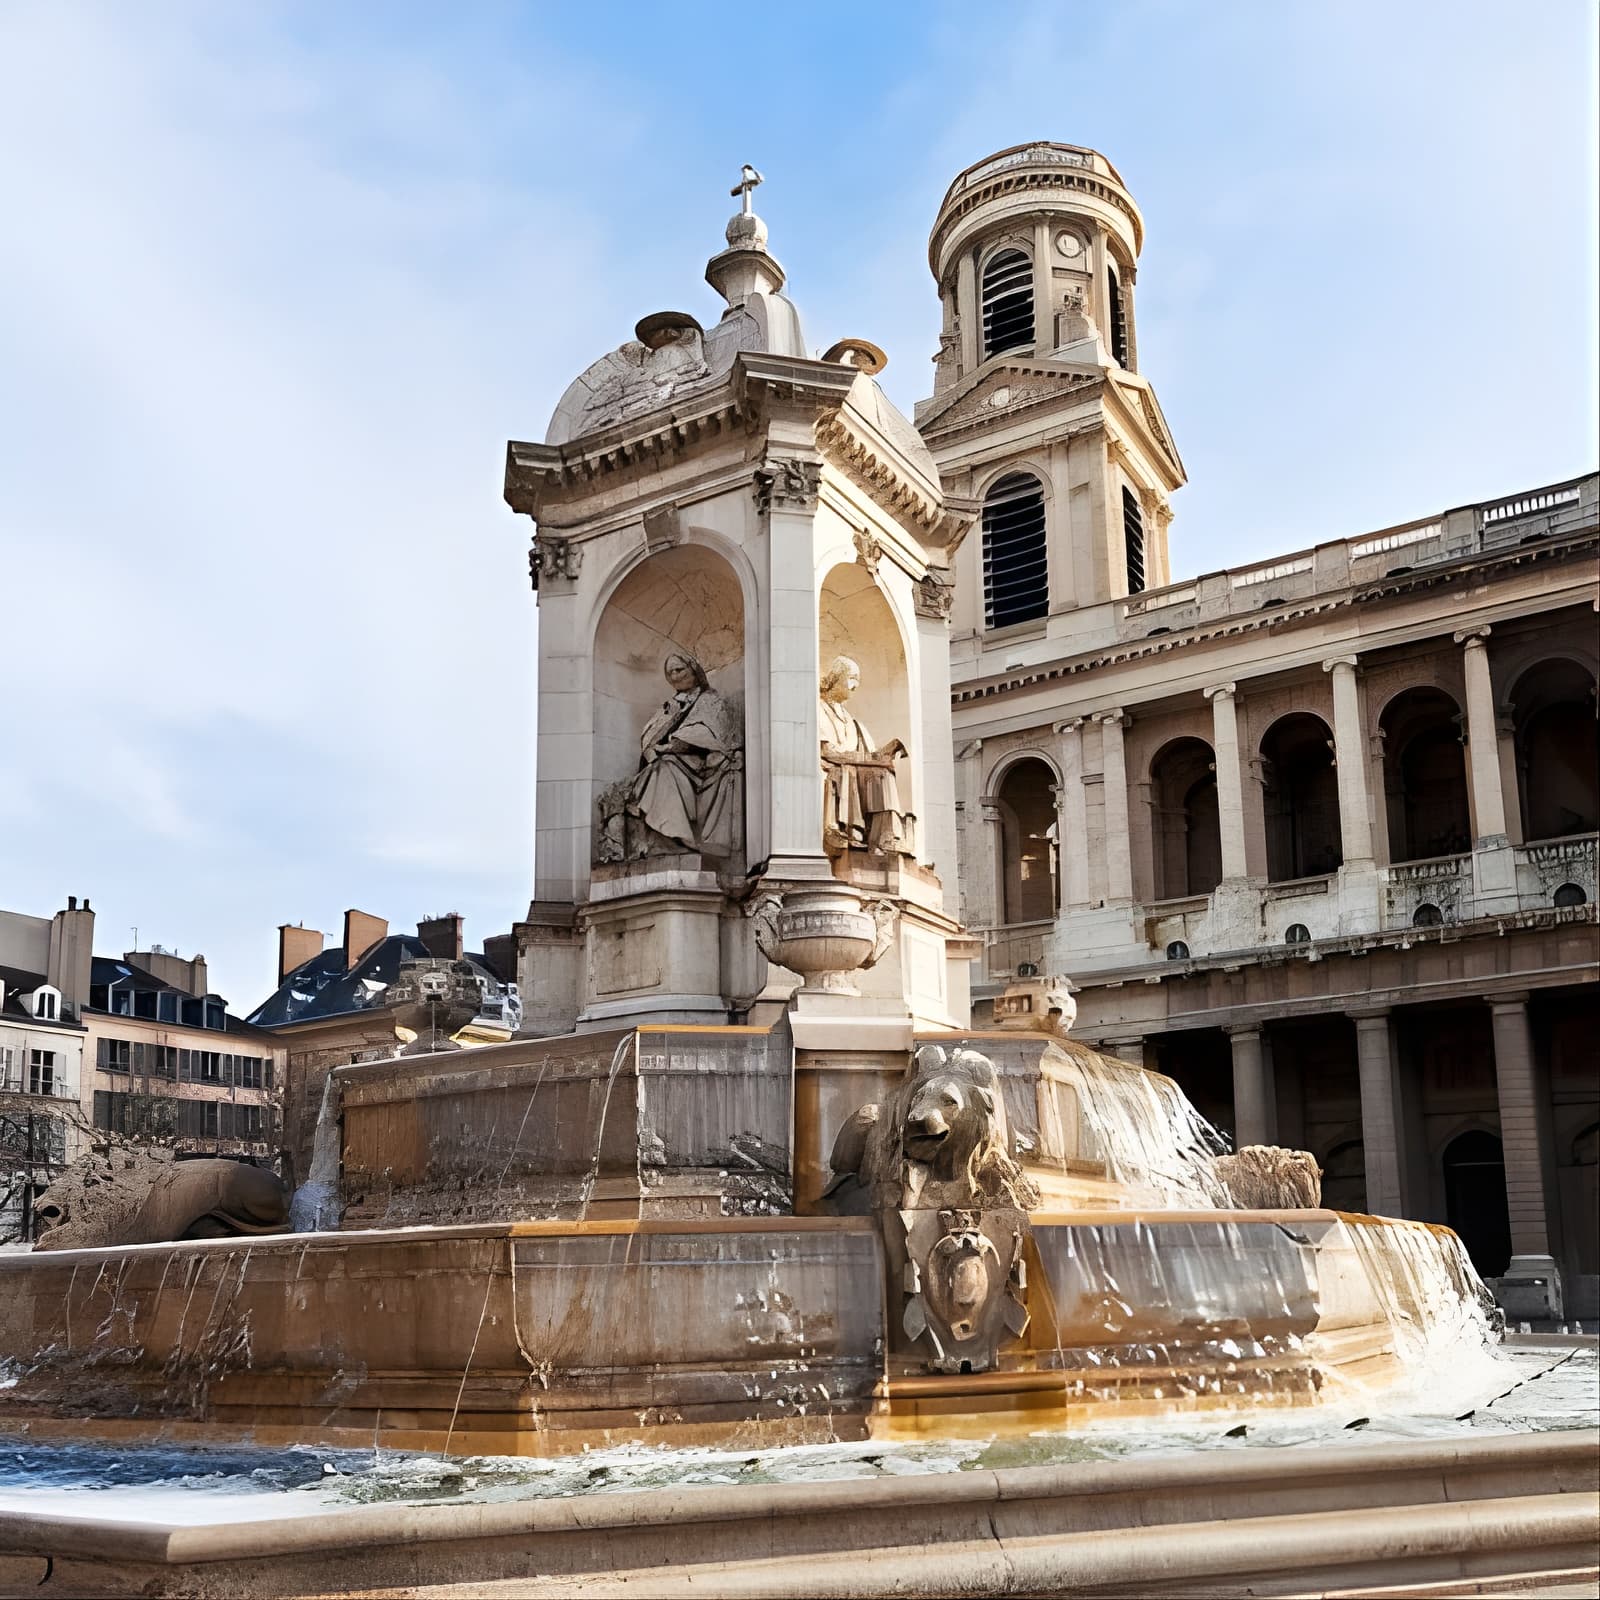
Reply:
x=787, y=483
x=553, y=558
x=933, y=598
x=869, y=551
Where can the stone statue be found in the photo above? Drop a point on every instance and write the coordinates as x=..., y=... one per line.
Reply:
x=119, y=1195
x=933, y=1163
x=1266, y=1177
x=861, y=797
x=688, y=793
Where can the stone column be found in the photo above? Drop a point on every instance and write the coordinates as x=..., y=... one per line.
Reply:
x=1380, y=1133
x=1230, y=778
x=1074, y=814
x=970, y=313
x=1119, y=857
x=1355, y=822
x=1254, y=1110
x=1531, y=1286
x=994, y=856
x=1483, y=751
x=1044, y=312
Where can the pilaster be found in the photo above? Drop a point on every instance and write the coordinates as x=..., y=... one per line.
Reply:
x=1230, y=779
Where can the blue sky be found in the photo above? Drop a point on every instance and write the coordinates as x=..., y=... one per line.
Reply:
x=278, y=282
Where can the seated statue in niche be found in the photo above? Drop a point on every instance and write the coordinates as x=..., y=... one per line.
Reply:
x=688, y=793
x=861, y=796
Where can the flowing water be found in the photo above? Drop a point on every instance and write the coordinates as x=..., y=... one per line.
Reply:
x=315, y=1207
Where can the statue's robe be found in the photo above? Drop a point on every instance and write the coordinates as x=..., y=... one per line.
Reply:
x=691, y=794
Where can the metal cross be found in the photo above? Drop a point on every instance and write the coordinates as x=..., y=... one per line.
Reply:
x=748, y=179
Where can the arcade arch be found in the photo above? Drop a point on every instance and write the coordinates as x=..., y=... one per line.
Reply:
x=1300, y=800
x=1187, y=842
x=1558, y=751
x=1425, y=776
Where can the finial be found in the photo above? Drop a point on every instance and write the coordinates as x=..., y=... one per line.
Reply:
x=748, y=179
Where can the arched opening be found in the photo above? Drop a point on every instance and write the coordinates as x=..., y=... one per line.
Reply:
x=1300, y=799
x=855, y=620
x=1558, y=751
x=1425, y=776
x=1118, y=310
x=1475, y=1199
x=1028, y=843
x=1344, y=1177
x=684, y=601
x=1188, y=835
x=1016, y=568
x=1007, y=293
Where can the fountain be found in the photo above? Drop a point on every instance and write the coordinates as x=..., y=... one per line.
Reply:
x=752, y=1180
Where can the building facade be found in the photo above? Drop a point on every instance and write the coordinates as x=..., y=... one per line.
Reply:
x=166, y=1062
x=44, y=973
x=1316, y=836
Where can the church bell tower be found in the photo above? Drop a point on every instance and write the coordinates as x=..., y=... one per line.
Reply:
x=1039, y=410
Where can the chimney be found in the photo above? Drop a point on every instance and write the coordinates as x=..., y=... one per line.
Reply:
x=296, y=946
x=361, y=933
x=443, y=936
x=71, y=950
x=188, y=975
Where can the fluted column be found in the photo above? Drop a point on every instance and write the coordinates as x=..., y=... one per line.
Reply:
x=1254, y=1110
x=1230, y=778
x=1119, y=857
x=1355, y=820
x=968, y=311
x=1074, y=814
x=1380, y=1120
x=1483, y=749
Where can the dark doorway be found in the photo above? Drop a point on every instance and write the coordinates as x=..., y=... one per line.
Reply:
x=1475, y=1199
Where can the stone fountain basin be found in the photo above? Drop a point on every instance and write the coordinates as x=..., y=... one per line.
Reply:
x=545, y=1337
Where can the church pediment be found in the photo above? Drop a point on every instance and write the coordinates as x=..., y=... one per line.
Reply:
x=1007, y=388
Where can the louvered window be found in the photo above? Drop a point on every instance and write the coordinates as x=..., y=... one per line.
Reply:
x=1016, y=578
x=1119, y=318
x=1133, y=539
x=1007, y=302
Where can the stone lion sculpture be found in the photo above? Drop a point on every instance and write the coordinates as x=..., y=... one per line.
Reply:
x=939, y=1140
x=119, y=1195
x=1265, y=1177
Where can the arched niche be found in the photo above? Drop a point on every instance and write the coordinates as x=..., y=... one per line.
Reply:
x=1300, y=798
x=685, y=599
x=855, y=619
x=1029, y=849
x=1187, y=851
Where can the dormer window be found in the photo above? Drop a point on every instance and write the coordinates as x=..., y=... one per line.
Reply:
x=1007, y=302
x=1016, y=567
x=47, y=1004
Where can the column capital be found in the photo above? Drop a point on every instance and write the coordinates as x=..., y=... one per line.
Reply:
x=990, y=810
x=1115, y=718
x=1515, y=1000
x=1334, y=662
x=1070, y=725
x=1244, y=1030
x=1373, y=1016
x=1221, y=691
x=1468, y=637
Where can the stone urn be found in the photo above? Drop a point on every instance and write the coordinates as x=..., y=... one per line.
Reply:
x=824, y=933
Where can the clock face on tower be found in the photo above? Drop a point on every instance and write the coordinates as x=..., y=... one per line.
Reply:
x=1069, y=244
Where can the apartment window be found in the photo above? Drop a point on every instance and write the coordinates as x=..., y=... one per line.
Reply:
x=167, y=1006
x=216, y=1015
x=114, y=1055
x=46, y=1004
x=1133, y=539
x=5, y=1067
x=1007, y=302
x=41, y=1072
x=207, y=1066
x=248, y=1071
x=1016, y=575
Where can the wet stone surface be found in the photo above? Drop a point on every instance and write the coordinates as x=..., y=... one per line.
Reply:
x=1528, y=1391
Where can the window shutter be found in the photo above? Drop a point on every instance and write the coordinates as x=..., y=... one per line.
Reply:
x=1007, y=302
x=1016, y=575
x=1133, y=539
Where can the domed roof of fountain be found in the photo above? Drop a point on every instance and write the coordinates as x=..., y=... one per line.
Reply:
x=671, y=355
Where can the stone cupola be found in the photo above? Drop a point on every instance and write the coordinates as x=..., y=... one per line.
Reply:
x=1034, y=251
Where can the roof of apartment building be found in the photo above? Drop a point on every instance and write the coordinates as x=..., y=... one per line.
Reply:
x=110, y=979
x=325, y=986
x=18, y=985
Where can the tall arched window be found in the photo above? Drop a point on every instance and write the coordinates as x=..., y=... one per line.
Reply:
x=1425, y=776
x=1028, y=841
x=1188, y=839
x=1016, y=575
x=1007, y=302
x=1133, y=539
x=1119, y=316
x=1558, y=751
x=1301, y=799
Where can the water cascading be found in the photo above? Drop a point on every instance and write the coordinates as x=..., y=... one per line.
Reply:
x=315, y=1207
